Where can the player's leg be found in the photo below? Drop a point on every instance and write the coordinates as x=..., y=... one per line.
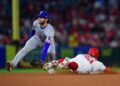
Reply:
x=51, y=52
x=30, y=45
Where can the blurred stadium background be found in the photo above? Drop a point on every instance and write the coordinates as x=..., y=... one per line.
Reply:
x=79, y=25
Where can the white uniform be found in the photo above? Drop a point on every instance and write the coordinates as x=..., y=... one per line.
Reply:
x=88, y=65
x=97, y=66
x=84, y=67
x=41, y=35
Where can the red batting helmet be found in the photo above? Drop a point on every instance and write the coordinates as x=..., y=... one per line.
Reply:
x=94, y=52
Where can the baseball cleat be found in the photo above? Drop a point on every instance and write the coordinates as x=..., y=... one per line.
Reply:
x=36, y=63
x=9, y=66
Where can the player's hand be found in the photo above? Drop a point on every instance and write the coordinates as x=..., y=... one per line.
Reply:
x=64, y=63
x=61, y=65
x=47, y=66
x=54, y=62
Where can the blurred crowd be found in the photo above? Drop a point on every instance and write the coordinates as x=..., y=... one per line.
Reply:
x=76, y=22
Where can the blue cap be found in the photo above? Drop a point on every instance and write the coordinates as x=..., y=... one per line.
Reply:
x=43, y=14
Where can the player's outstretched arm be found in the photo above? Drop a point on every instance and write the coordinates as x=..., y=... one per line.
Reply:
x=109, y=71
x=44, y=51
x=47, y=44
x=51, y=64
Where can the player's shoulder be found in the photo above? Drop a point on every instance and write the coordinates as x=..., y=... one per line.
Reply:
x=80, y=55
x=50, y=26
x=35, y=22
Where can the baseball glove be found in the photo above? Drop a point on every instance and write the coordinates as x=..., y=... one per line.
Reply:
x=36, y=63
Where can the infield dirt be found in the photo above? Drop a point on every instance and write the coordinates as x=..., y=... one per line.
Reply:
x=58, y=79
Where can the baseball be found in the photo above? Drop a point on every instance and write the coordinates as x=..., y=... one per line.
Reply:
x=51, y=71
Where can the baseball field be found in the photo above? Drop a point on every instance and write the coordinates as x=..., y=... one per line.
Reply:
x=39, y=77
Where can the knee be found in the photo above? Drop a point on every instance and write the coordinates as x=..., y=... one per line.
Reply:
x=27, y=49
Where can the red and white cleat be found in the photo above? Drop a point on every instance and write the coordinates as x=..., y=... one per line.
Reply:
x=9, y=66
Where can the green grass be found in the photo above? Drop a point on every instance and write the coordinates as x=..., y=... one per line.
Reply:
x=25, y=70
x=117, y=69
x=36, y=70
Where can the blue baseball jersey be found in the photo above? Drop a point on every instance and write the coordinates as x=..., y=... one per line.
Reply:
x=45, y=34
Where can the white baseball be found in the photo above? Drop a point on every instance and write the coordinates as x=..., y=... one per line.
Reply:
x=51, y=71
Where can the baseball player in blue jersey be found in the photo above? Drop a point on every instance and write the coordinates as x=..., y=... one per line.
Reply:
x=42, y=36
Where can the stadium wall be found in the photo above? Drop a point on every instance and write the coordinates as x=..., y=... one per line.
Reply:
x=109, y=56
